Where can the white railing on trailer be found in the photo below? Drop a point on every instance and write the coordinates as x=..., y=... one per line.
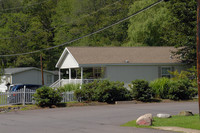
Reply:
x=63, y=82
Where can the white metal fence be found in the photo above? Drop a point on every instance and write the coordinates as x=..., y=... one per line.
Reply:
x=25, y=96
x=68, y=97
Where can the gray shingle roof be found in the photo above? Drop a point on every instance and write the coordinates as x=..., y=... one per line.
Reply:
x=16, y=70
x=22, y=69
x=122, y=55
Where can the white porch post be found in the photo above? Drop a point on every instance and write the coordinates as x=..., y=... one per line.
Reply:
x=81, y=75
x=70, y=73
x=59, y=77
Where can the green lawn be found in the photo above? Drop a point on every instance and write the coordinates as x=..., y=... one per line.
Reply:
x=192, y=122
x=3, y=99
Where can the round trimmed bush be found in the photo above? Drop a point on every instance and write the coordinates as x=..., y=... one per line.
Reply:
x=46, y=97
x=141, y=90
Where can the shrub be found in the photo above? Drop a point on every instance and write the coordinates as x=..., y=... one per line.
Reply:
x=46, y=97
x=160, y=87
x=181, y=90
x=87, y=91
x=190, y=74
x=80, y=95
x=103, y=91
x=69, y=87
x=110, y=92
x=141, y=90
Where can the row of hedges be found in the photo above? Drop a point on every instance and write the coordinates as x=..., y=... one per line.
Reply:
x=182, y=86
x=163, y=88
x=181, y=89
x=103, y=91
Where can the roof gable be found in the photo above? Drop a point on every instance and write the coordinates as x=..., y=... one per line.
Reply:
x=67, y=60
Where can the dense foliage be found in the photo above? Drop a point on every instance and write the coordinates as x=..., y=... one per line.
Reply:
x=181, y=90
x=141, y=90
x=148, y=27
x=69, y=87
x=29, y=25
x=160, y=87
x=46, y=97
x=87, y=91
x=103, y=91
x=171, y=23
x=182, y=86
x=181, y=29
x=110, y=92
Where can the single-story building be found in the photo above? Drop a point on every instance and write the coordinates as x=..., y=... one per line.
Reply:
x=26, y=75
x=124, y=64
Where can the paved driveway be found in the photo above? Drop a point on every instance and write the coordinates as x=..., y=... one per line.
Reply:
x=91, y=119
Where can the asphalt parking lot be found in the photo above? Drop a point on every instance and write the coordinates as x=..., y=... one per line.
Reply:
x=88, y=119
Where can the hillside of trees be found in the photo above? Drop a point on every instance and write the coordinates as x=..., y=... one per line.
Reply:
x=31, y=25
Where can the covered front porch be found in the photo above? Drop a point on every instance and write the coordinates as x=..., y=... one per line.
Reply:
x=80, y=75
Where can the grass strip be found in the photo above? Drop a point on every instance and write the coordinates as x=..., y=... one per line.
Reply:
x=191, y=122
x=3, y=99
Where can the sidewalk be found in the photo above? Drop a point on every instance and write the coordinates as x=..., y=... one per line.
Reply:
x=179, y=129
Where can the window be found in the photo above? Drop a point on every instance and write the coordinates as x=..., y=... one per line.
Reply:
x=49, y=79
x=98, y=72
x=165, y=72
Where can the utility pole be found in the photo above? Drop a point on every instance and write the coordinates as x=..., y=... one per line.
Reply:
x=41, y=69
x=198, y=51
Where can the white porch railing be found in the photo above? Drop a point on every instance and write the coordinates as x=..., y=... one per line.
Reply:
x=63, y=82
x=55, y=84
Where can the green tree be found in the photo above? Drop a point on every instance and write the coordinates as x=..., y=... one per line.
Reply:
x=14, y=27
x=181, y=29
x=170, y=23
x=84, y=17
x=148, y=27
x=28, y=29
x=5, y=5
x=43, y=14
